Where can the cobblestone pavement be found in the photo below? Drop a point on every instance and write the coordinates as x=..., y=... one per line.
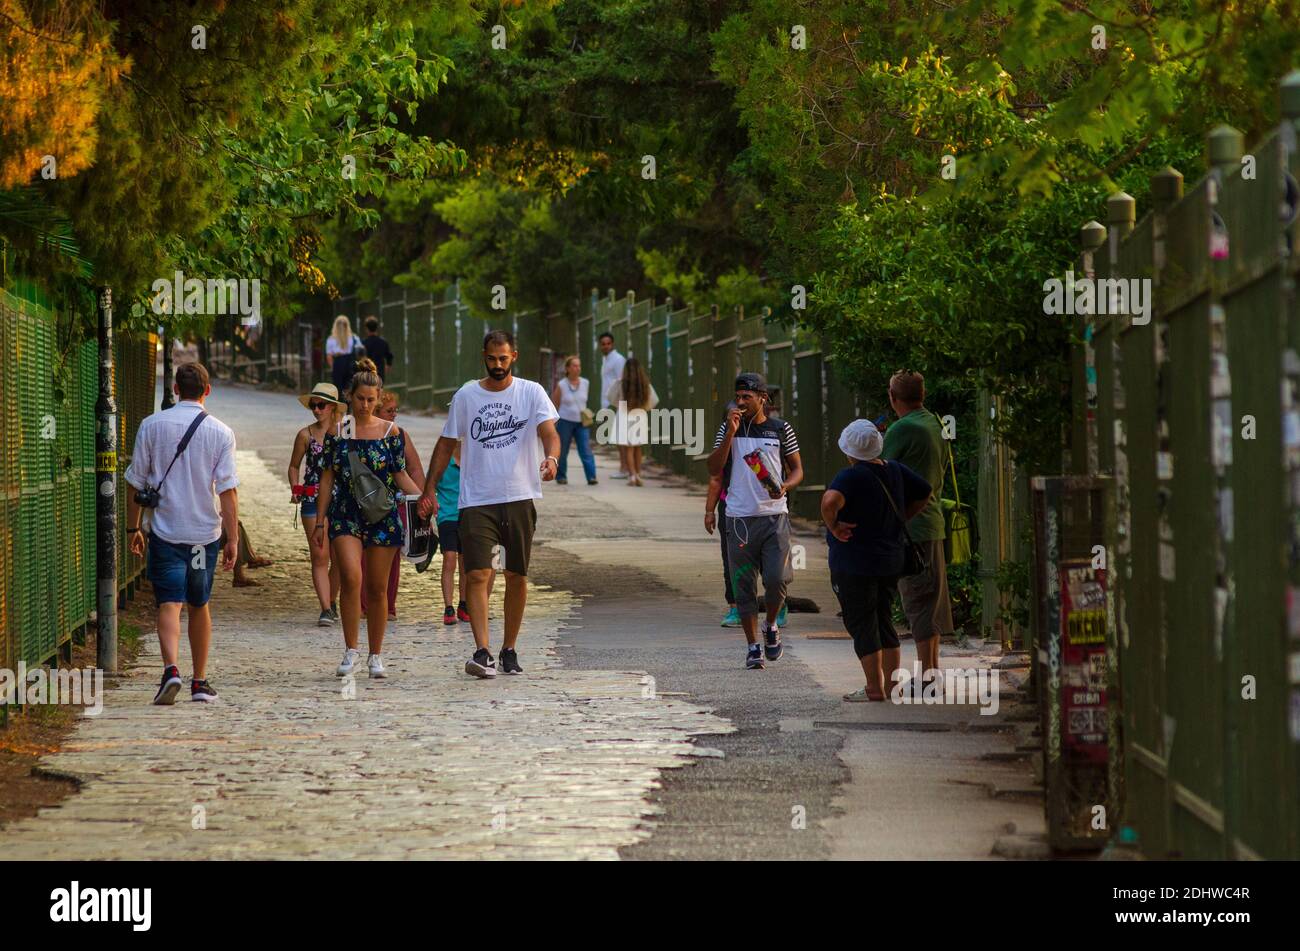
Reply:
x=293, y=762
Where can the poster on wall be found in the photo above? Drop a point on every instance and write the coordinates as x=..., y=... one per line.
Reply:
x=1083, y=661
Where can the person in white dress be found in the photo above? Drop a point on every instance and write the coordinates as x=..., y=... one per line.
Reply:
x=632, y=397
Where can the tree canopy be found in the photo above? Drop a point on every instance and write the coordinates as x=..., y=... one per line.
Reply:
x=920, y=168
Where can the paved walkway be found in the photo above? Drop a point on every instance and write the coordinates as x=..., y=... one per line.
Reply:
x=295, y=763
x=625, y=665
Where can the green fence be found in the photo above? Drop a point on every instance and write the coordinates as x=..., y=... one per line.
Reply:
x=48, y=389
x=1197, y=416
x=691, y=357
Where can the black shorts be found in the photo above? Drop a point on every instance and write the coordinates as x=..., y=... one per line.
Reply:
x=866, y=603
x=508, y=525
x=449, y=535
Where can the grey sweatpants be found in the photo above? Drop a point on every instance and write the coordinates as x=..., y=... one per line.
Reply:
x=758, y=545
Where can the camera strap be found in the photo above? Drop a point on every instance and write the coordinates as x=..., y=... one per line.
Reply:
x=185, y=441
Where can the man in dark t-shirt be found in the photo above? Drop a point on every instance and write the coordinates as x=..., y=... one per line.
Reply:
x=377, y=348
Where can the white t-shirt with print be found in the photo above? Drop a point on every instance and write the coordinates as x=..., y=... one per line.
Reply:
x=500, y=454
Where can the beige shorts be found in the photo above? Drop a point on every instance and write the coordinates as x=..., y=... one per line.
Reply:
x=925, y=596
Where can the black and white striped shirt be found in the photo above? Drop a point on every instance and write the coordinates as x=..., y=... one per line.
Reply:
x=758, y=452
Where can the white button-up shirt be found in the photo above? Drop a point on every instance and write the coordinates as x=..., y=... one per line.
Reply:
x=611, y=369
x=188, y=512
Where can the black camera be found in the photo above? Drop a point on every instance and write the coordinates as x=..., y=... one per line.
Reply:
x=147, y=498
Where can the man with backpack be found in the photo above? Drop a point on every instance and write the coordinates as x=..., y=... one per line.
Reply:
x=916, y=440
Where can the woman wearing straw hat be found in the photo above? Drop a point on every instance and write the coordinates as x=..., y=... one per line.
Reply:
x=309, y=447
x=865, y=510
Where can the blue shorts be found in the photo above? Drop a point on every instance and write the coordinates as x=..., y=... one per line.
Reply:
x=309, y=508
x=172, y=572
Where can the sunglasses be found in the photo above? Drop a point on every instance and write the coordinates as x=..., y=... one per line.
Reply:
x=315, y=405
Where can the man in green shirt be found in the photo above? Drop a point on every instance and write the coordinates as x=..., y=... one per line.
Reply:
x=916, y=440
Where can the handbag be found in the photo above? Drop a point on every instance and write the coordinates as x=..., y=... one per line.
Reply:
x=420, y=539
x=588, y=417
x=914, y=560
x=374, y=499
x=958, y=541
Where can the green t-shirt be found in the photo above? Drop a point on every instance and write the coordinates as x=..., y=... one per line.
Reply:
x=916, y=440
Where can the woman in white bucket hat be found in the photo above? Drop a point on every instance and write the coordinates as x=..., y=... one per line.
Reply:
x=864, y=510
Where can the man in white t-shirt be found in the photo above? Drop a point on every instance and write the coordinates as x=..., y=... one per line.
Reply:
x=502, y=424
x=611, y=369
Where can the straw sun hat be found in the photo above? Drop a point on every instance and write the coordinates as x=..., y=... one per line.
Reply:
x=321, y=391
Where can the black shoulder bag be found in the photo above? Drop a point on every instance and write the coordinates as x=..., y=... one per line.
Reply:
x=914, y=560
x=150, y=497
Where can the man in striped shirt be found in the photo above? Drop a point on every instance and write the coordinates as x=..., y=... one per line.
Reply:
x=757, y=457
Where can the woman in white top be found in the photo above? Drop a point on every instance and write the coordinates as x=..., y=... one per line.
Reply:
x=570, y=399
x=632, y=397
x=340, y=353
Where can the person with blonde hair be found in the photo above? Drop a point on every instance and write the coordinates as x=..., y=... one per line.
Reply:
x=632, y=397
x=570, y=399
x=388, y=410
x=342, y=350
x=363, y=472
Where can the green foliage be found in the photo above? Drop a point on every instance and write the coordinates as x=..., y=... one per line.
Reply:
x=1013, y=583
x=556, y=126
x=226, y=161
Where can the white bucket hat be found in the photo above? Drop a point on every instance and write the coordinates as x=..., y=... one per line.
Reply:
x=861, y=440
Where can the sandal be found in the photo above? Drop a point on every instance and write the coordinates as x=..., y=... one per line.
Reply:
x=861, y=696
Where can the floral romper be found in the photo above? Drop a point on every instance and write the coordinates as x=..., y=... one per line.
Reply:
x=385, y=457
x=311, y=474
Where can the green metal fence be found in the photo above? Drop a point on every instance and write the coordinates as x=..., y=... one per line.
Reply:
x=1197, y=416
x=691, y=358
x=48, y=389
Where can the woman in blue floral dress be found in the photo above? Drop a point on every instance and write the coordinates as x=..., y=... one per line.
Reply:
x=378, y=446
x=305, y=465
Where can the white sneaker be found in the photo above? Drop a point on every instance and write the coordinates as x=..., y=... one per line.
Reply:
x=375, y=664
x=350, y=658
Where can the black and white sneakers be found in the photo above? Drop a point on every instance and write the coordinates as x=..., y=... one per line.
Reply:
x=169, y=688
x=481, y=664
x=509, y=661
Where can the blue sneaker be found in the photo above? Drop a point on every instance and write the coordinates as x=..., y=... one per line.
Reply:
x=732, y=619
x=772, y=641
x=754, y=658
x=780, y=615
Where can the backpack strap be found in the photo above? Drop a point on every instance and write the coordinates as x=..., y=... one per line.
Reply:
x=889, y=496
